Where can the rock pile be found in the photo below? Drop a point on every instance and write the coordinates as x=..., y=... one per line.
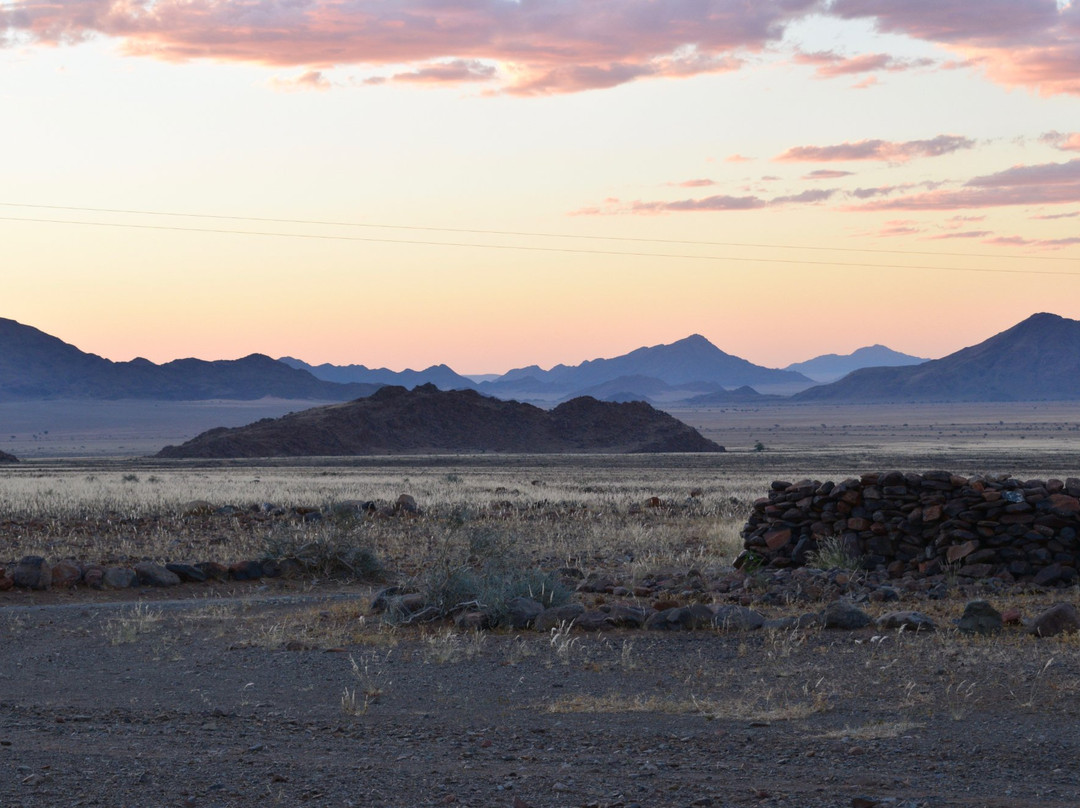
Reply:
x=924, y=525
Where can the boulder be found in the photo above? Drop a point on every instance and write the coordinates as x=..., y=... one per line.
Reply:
x=905, y=620
x=151, y=574
x=1061, y=618
x=118, y=578
x=555, y=616
x=980, y=618
x=737, y=618
x=32, y=572
x=66, y=574
x=521, y=612
x=187, y=572
x=843, y=615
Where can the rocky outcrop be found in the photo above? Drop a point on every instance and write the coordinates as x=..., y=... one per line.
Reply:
x=926, y=524
x=428, y=420
x=7, y=458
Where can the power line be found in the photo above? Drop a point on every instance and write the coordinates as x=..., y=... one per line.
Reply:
x=527, y=248
x=530, y=234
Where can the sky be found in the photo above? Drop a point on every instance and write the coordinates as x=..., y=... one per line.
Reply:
x=498, y=183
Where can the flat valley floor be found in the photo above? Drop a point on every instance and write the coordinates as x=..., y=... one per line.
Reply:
x=292, y=693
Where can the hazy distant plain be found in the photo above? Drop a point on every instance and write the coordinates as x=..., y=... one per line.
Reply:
x=57, y=429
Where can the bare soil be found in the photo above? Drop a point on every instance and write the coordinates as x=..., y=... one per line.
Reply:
x=290, y=694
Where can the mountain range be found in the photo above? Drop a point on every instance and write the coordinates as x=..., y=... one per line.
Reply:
x=37, y=366
x=1037, y=359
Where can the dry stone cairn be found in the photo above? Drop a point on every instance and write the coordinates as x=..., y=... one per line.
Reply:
x=925, y=524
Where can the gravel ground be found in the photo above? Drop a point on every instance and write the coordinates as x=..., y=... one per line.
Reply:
x=272, y=696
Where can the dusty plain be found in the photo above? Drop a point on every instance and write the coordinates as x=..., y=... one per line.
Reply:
x=291, y=692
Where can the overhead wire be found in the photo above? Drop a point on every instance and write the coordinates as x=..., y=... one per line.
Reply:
x=519, y=233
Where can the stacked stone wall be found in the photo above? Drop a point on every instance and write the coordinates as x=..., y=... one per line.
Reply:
x=926, y=524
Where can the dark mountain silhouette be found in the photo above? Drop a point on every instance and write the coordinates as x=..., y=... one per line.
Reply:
x=7, y=458
x=442, y=376
x=830, y=367
x=428, y=420
x=1035, y=360
x=34, y=366
x=690, y=361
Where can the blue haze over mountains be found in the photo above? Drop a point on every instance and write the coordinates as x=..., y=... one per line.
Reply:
x=1037, y=359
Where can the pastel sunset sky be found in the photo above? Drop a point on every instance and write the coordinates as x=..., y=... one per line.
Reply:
x=495, y=183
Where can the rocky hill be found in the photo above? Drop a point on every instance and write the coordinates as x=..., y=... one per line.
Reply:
x=1035, y=360
x=7, y=458
x=427, y=420
x=35, y=366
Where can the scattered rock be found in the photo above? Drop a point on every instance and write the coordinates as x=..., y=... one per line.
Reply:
x=521, y=612
x=1061, y=618
x=213, y=570
x=737, y=618
x=555, y=616
x=406, y=503
x=839, y=614
x=980, y=618
x=908, y=621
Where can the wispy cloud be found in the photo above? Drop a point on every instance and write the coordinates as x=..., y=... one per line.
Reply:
x=718, y=202
x=881, y=150
x=1049, y=183
x=830, y=64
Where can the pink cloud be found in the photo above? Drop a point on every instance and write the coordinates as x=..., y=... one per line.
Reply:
x=738, y=158
x=883, y=150
x=1029, y=43
x=719, y=202
x=455, y=71
x=963, y=234
x=827, y=174
x=539, y=47
x=1065, y=142
x=694, y=183
x=830, y=64
x=309, y=80
x=1072, y=215
x=1045, y=244
x=1050, y=183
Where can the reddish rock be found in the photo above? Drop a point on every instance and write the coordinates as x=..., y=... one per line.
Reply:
x=213, y=570
x=1012, y=617
x=245, y=571
x=1064, y=504
x=5, y=582
x=958, y=551
x=775, y=539
x=406, y=504
x=931, y=513
x=93, y=577
x=858, y=523
x=66, y=574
